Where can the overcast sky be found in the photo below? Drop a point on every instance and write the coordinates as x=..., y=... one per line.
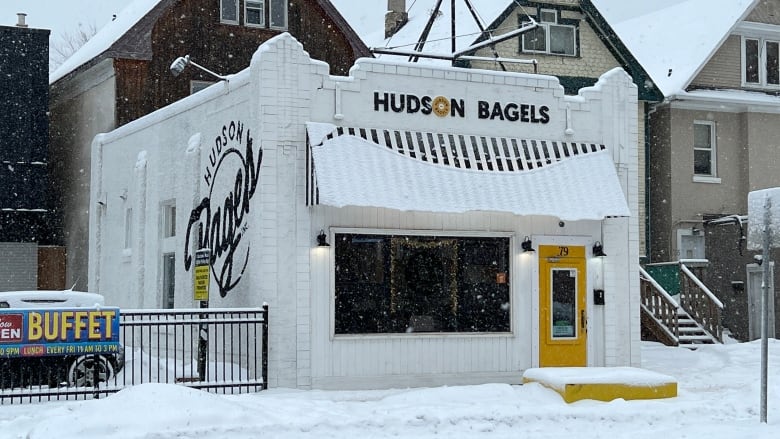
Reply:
x=61, y=16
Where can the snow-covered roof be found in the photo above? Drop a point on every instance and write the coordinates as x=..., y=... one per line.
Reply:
x=673, y=39
x=738, y=100
x=353, y=171
x=105, y=37
x=368, y=20
x=129, y=17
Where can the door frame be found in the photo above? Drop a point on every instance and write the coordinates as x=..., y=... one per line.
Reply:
x=758, y=269
x=569, y=240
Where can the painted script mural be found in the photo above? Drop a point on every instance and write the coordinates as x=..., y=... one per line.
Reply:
x=221, y=218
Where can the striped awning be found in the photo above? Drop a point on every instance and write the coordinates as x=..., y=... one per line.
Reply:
x=434, y=172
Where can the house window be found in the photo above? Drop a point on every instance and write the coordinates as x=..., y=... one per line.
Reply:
x=168, y=280
x=255, y=13
x=168, y=225
x=761, y=60
x=196, y=86
x=129, y=228
x=228, y=12
x=690, y=244
x=552, y=36
x=704, y=148
x=278, y=14
x=400, y=284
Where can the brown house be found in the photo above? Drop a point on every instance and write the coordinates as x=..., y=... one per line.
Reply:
x=123, y=73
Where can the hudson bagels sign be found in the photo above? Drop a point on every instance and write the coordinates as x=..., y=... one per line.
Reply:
x=443, y=106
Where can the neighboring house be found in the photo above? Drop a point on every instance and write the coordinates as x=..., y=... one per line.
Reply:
x=714, y=138
x=571, y=42
x=122, y=73
x=28, y=259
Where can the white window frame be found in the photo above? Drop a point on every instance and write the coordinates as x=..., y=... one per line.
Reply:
x=762, y=71
x=263, y=5
x=513, y=251
x=167, y=297
x=272, y=5
x=546, y=26
x=712, y=177
x=222, y=18
x=129, y=228
x=691, y=232
x=168, y=219
x=198, y=85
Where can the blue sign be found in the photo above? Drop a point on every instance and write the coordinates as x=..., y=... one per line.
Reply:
x=70, y=331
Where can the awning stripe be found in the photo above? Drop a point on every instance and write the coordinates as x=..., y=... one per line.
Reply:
x=435, y=172
x=459, y=150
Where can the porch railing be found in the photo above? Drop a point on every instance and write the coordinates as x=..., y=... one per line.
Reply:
x=661, y=307
x=699, y=302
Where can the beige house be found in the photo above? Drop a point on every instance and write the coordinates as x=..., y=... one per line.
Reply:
x=714, y=138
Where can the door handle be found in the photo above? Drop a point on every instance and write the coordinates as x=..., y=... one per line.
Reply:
x=583, y=320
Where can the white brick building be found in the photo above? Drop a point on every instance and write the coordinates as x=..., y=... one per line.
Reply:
x=428, y=184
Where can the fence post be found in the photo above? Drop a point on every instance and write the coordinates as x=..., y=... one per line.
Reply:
x=201, y=294
x=265, y=346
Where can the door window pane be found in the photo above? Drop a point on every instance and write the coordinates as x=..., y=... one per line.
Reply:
x=564, y=303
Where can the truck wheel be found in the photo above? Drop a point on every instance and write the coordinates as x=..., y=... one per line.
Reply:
x=82, y=371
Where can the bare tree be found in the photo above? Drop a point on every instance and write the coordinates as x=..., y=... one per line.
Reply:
x=69, y=43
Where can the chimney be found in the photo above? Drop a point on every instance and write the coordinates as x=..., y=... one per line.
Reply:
x=20, y=22
x=395, y=17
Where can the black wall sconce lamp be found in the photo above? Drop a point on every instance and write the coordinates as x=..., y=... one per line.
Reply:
x=527, y=245
x=322, y=239
x=598, y=249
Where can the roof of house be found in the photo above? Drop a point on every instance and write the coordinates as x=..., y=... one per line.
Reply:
x=673, y=39
x=369, y=22
x=115, y=39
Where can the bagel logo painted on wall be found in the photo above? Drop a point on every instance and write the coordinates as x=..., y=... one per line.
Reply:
x=221, y=219
x=442, y=106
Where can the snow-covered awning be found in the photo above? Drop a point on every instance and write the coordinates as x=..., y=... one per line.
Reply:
x=433, y=172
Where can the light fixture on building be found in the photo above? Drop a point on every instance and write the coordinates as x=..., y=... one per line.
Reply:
x=598, y=249
x=181, y=63
x=527, y=245
x=322, y=239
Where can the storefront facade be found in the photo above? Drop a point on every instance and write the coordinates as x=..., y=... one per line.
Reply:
x=463, y=212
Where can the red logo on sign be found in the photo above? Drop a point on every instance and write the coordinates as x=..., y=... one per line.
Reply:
x=10, y=328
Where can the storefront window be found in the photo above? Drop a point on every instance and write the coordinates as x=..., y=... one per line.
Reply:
x=412, y=283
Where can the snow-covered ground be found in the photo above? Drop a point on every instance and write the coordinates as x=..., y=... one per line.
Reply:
x=719, y=397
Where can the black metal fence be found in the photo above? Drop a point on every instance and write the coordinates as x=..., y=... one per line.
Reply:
x=217, y=350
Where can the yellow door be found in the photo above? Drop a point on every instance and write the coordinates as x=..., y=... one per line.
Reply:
x=562, y=312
